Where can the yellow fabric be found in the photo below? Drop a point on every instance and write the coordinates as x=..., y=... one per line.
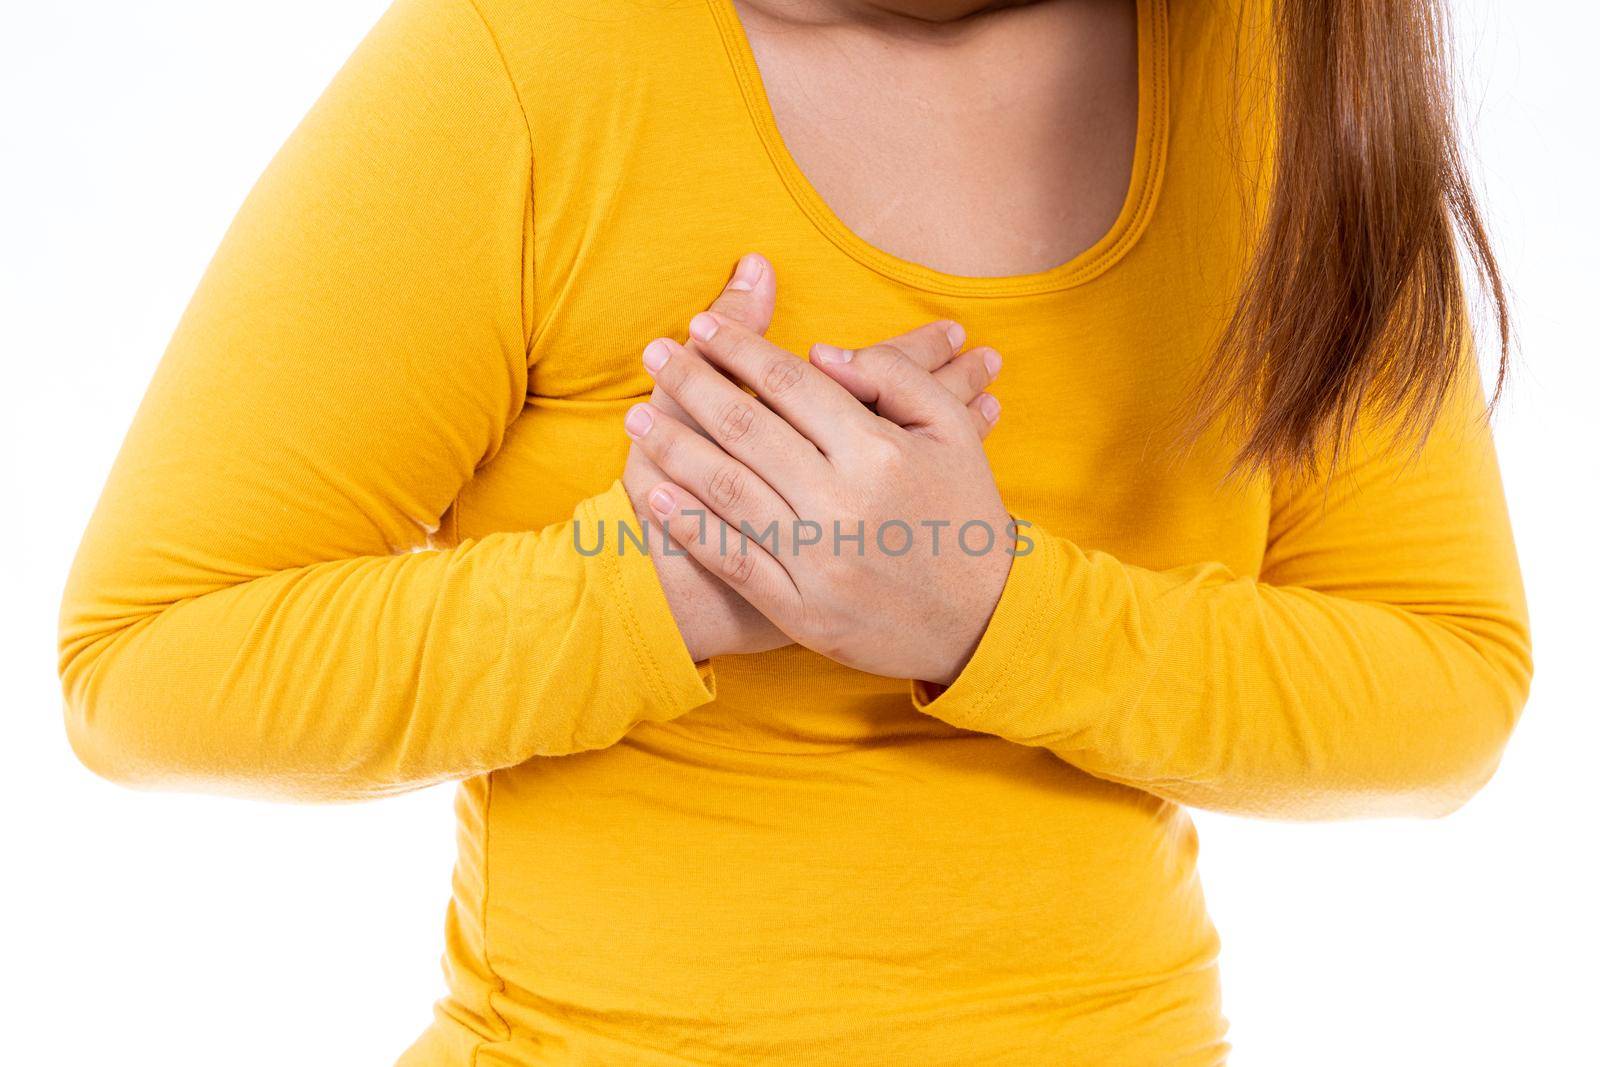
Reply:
x=335, y=559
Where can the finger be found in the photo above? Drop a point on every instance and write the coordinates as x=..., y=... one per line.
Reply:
x=733, y=419
x=734, y=492
x=750, y=295
x=969, y=374
x=806, y=398
x=888, y=380
x=984, y=411
x=659, y=397
x=748, y=568
x=748, y=299
x=932, y=347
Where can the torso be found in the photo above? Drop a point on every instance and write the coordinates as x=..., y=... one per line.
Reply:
x=807, y=869
x=993, y=145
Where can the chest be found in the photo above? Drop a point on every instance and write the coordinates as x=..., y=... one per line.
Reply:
x=645, y=196
x=997, y=145
x=1085, y=447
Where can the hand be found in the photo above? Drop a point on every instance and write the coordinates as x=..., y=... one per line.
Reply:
x=712, y=617
x=844, y=526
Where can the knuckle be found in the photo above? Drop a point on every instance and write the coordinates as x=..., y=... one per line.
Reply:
x=832, y=568
x=736, y=343
x=896, y=369
x=738, y=566
x=782, y=374
x=882, y=451
x=735, y=305
x=726, y=487
x=735, y=422
x=889, y=354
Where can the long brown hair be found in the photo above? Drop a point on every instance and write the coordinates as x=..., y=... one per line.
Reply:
x=1354, y=301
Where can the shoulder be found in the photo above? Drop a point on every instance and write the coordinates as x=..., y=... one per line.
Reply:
x=545, y=41
x=600, y=78
x=1222, y=72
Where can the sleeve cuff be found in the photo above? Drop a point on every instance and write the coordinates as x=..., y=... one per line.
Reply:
x=1000, y=673
x=676, y=683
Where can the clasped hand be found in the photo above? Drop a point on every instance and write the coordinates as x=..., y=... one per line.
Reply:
x=849, y=501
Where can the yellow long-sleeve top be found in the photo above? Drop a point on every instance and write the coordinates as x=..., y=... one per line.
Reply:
x=335, y=559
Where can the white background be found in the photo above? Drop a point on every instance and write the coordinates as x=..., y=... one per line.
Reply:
x=150, y=928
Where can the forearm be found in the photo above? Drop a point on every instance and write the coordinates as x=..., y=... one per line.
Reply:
x=375, y=674
x=1228, y=693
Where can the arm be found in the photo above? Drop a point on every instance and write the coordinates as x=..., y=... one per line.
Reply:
x=1377, y=664
x=255, y=605
x=1375, y=667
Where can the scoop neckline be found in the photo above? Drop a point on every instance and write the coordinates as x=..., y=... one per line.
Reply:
x=1149, y=159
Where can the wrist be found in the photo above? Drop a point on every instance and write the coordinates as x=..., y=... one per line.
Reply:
x=988, y=581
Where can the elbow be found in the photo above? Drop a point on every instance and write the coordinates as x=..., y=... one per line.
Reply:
x=117, y=680
x=131, y=722
x=102, y=730
x=1479, y=725
x=88, y=627
x=96, y=747
x=1436, y=751
x=109, y=698
x=110, y=706
x=1455, y=782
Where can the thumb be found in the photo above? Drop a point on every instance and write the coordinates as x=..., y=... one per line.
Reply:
x=750, y=295
x=747, y=299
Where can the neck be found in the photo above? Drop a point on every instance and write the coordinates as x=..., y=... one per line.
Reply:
x=927, y=12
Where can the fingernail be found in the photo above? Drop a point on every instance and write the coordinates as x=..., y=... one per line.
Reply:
x=638, y=422
x=703, y=327
x=830, y=354
x=661, y=500
x=656, y=354
x=957, y=335
x=748, y=276
x=991, y=360
x=990, y=408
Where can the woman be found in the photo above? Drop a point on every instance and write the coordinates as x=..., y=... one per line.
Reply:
x=820, y=791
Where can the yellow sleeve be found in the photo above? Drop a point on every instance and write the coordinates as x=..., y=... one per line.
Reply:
x=255, y=606
x=1376, y=666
